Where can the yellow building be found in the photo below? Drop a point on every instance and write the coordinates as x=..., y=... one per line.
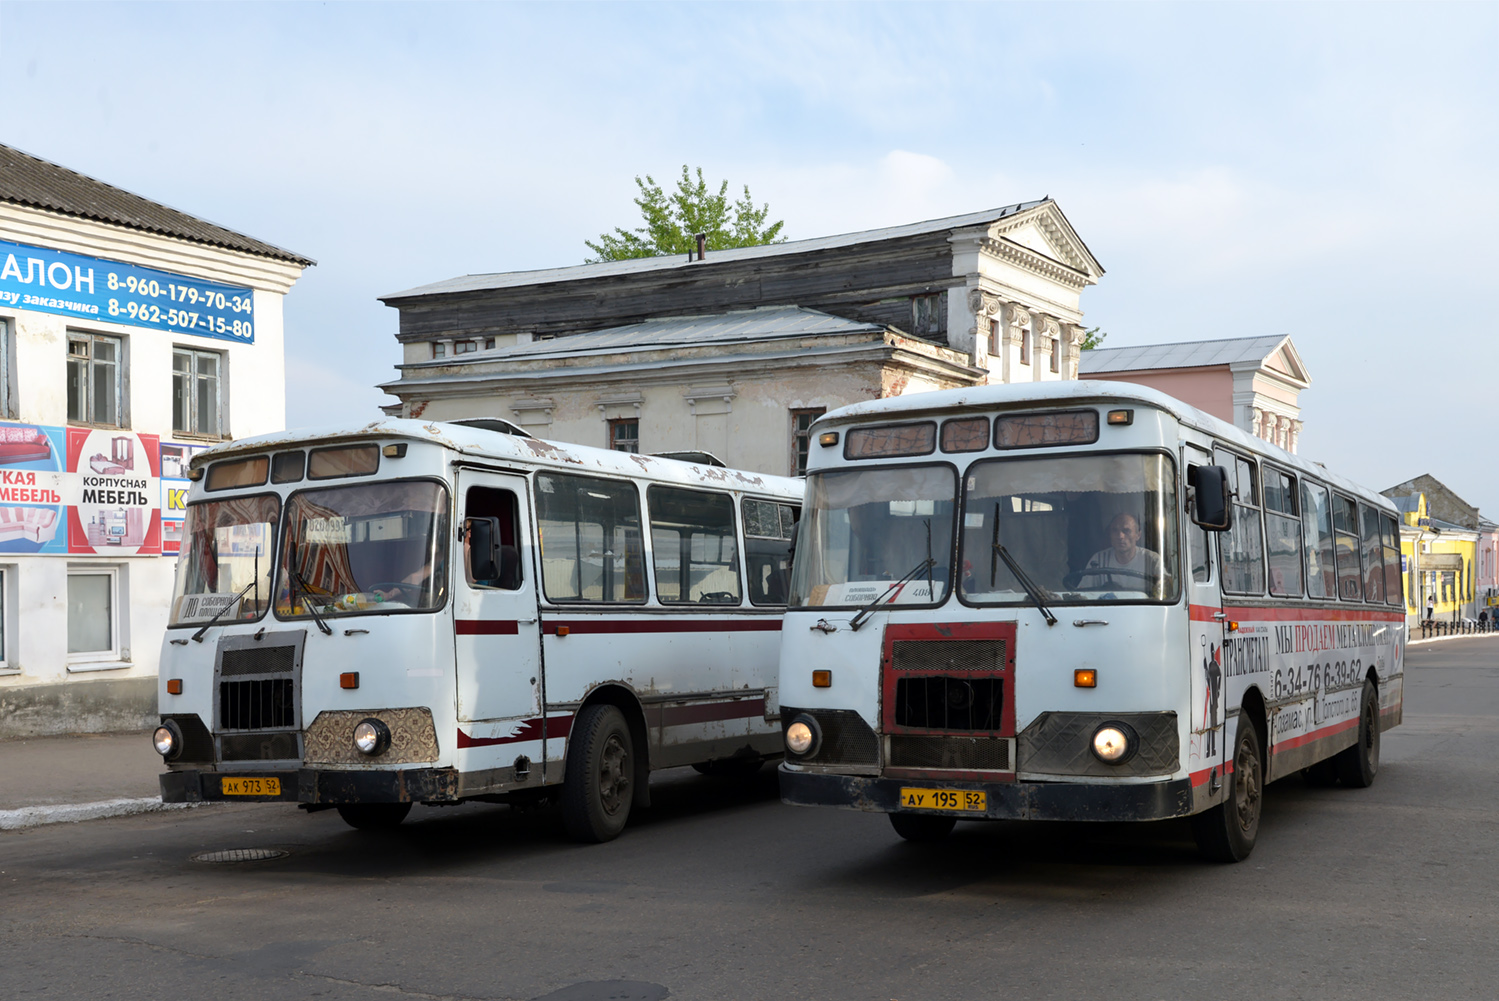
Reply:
x=1438, y=560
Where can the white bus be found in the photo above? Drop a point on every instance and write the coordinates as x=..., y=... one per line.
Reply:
x=1080, y=601
x=405, y=612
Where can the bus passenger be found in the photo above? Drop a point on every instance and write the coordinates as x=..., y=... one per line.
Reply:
x=1140, y=569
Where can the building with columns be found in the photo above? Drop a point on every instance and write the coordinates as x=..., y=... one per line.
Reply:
x=1255, y=383
x=735, y=352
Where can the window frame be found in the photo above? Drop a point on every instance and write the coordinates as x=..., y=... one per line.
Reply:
x=221, y=360
x=1256, y=505
x=643, y=526
x=86, y=388
x=1358, y=542
x=735, y=535
x=1293, y=494
x=744, y=534
x=1307, y=484
x=801, y=438
x=115, y=656
x=616, y=424
x=8, y=389
x=7, y=599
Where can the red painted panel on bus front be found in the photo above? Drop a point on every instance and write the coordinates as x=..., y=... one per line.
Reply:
x=929, y=631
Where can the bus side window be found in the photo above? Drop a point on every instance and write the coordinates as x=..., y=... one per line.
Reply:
x=767, y=550
x=1197, y=547
x=591, y=547
x=693, y=546
x=1282, y=534
x=1345, y=528
x=1373, y=552
x=1316, y=518
x=1241, y=550
x=487, y=502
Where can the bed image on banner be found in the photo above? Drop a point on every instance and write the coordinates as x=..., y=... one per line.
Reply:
x=31, y=489
x=113, y=492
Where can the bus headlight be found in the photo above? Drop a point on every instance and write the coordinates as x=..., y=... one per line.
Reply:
x=371, y=737
x=167, y=740
x=802, y=736
x=1114, y=743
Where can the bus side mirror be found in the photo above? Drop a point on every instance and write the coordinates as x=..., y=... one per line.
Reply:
x=1211, y=495
x=481, y=536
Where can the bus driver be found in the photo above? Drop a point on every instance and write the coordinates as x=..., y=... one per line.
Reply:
x=1139, y=568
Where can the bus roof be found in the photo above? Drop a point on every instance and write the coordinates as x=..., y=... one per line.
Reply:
x=1012, y=396
x=496, y=445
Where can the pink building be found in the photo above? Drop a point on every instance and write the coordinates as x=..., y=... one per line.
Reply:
x=1253, y=382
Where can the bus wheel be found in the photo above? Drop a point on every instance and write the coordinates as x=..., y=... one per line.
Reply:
x=597, y=792
x=1226, y=832
x=920, y=827
x=373, y=816
x=1357, y=765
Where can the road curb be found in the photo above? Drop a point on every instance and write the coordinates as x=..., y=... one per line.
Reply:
x=72, y=813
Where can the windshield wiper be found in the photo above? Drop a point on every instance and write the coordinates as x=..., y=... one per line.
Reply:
x=1001, y=553
x=299, y=583
x=198, y=636
x=926, y=564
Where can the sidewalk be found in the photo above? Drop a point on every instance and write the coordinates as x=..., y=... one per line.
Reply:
x=48, y=780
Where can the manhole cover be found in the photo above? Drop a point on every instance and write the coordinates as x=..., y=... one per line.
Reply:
x=241, y=855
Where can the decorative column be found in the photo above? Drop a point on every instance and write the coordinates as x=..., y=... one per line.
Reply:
x=1015, y=328
x=985, y=309
x=1295, y=437
x=1074, y=358
x=1051, y=341
x=1256, y=421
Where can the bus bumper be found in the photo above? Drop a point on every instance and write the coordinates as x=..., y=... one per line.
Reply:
x=1006, y=800
x=310, y=785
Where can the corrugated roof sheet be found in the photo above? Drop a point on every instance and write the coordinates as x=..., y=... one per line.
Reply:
x=1187, y=354
x=607, y=269
x=30, y=180
x=764, y=323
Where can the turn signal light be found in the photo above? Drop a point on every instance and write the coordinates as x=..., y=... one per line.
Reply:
x=827, y=439
x=822, y=679
x=1121, y=417
x=1085, y=677
x=1233, y=627
x=349, y=679
x=563, y=631
x=174, y=686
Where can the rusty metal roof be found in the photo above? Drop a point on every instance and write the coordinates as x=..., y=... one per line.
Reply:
x=32, y=181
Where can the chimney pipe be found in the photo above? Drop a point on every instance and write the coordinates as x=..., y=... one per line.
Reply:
x=702, y=245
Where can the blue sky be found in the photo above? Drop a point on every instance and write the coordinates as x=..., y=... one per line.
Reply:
x=1325, y=171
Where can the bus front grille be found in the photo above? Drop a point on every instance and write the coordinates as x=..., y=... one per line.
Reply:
x=933, y=656
x=274, y=746
x=949, y=703
x=951, y=753
x=261, y=704
x=258, y=660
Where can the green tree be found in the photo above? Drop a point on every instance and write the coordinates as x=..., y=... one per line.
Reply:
x=673, y=220
x=1093, y=338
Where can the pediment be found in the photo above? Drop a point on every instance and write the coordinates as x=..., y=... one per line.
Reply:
x=1285, y=361
x=1045, y=230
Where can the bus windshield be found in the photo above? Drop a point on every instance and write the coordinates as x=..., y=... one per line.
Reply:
x=1083, y=528
x=227, y=548
x=372, y=547
x=871, y=531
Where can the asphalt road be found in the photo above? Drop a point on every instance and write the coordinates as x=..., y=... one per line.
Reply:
x=722, y=892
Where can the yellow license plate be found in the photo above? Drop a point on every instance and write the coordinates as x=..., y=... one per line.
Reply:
x=962, y=800
x=250, y=787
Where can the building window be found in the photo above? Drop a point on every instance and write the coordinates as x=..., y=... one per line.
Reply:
x=801, y=437
x=464, y=347
x=489, y=344
x=93, y=615
x=994, y=337
x=926, y=314
x=624, y=434
x=439, y=350
x=95, y=379
x=1056, y=354
x=1025, y=346
x=4, y=618
x=197, y=398
x=7, y=377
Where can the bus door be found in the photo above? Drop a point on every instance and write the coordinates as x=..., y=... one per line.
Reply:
x=1207, y=620
x=498, y=640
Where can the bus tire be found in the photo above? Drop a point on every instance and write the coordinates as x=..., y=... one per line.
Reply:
x=597, y=791
x=922, y=828
x=373, y=816
x=1357, y=765
x=1226, y=832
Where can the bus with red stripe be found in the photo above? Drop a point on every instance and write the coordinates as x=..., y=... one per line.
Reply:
x=412, y=612
x=1081, y=601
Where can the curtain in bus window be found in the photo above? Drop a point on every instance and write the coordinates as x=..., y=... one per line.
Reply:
x=1240, y=549
x=1084, y=528
x=693, y=547
x=1282, y=534
x=1373, y=554
x=591, y=546
x=1345, y=536
x=1316, y=519
x=1390, y=533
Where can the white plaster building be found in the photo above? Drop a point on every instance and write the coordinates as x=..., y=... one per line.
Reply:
x=131, y=334
x=735, y=352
